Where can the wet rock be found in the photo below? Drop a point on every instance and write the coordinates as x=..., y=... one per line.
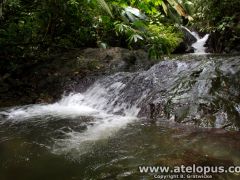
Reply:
x=235, y=50
x=183, y=48
x=118, y=59
x=188, y=37
x=197, y=90
x=223, y=42
x=205, y=93
x=186, y=45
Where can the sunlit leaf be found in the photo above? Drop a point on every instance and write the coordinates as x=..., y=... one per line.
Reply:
x=164, y=7
x=105, y=6
x=134, y=38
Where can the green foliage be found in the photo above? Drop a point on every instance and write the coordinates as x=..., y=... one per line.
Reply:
x=221, y=18
x=148, y=33
x=157, y=39
x=162, y=39
x=215, y=14
x=27, y=24
x=34, y=26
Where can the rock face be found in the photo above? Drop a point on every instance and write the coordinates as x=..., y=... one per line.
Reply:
x=223, y=43
x=205, y=93
x=117, y=59
x=198, y=90
x=188, y=37
x=185, y=45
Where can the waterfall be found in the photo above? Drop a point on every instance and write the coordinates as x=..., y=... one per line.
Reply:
x=110, y=104
x=102, y=108
x=180, y=90
x=200, y=43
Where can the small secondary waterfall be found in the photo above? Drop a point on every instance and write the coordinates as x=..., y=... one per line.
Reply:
x=199, y=45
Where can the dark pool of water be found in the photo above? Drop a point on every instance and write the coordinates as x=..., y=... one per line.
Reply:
x=48, y=149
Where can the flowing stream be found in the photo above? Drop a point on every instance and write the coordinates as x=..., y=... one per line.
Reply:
x=105, y=132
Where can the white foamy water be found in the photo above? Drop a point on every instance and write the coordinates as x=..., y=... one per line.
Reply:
x=81, y=142
x=199, y=45
x=70, y=106
x=100, y=102
x=96, y=101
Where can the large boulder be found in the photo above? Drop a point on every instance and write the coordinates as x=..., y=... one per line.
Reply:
x=204, y=93
x=197, y=90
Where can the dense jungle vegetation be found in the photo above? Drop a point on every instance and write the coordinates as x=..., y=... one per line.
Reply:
x=37, y=28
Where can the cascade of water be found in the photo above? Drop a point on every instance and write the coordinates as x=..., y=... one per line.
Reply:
x=110, y=103
x=199, y=45
x=104, y=103
x=114, y=101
